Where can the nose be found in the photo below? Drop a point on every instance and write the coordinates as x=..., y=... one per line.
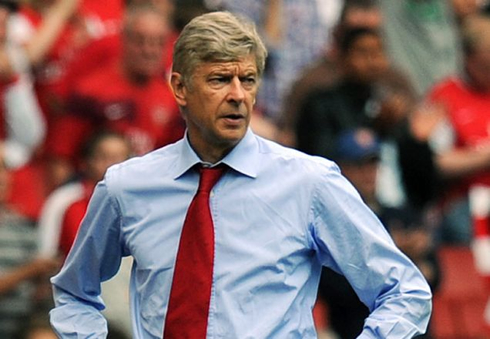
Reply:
x=236, y=93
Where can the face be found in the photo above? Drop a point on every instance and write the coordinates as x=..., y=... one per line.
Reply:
x=366, y=60
x=217, y=104
x=111, y=150
x=363, y=176
x=478, y=67
x=144, y=43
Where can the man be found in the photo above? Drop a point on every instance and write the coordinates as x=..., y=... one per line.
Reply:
x=65, y=207
x=279, y=215
x=357, y=152
x=365, y=95
x=323, y=72
x=129, y=95
x=460, y=144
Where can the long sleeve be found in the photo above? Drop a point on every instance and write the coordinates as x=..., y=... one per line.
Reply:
x=350, y=239
x=94, y=258
x=26, y=128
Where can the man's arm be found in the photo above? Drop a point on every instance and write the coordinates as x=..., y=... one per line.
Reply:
x=94, y=258
x=349, y=238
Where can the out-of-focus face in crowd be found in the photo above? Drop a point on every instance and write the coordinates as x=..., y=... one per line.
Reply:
x=365, y=58
x=144, y=38
x=476, y=32
x=108, y=150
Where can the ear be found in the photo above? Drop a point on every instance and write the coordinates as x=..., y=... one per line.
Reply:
x=178, y=88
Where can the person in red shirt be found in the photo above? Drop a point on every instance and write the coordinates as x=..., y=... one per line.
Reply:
x=129, y=96
x=66, y=206
x=461, y=142
x=101, y=52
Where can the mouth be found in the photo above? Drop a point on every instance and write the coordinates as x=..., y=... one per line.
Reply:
x=234, y=116
x=233, y=120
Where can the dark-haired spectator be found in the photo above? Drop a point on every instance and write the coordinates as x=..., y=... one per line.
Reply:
x=323, y=72
x=368, y=94
x=129, y=96
x=66, y=206
x=357, y=152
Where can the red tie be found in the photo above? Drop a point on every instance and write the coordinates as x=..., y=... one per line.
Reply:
x=187, y=315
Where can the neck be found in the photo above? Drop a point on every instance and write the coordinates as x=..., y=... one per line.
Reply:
x=212, y=154
x=209, y=152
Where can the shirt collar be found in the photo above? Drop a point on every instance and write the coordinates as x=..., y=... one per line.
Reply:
x=244, y=157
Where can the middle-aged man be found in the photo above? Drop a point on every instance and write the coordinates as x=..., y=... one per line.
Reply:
x=278, y=214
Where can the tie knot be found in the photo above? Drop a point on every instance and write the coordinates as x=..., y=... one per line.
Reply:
x=209, y=176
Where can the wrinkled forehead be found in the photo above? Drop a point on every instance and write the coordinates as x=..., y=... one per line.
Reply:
x=245, y=66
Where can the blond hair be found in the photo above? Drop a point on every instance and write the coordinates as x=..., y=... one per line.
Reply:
x=216, y=36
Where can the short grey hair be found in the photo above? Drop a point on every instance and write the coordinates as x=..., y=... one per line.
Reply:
x=217, y=37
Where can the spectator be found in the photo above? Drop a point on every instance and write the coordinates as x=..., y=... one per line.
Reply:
x=129, y=96
x=19, y=266
x=323, y=72
x=461, y=149
x=103, y=52
x=460, y=143
x=357, y=152
x=52, y=31
x=66, y=206
x=367, y=94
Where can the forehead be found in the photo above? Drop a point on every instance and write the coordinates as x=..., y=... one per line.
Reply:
x=146, y=23
x=245, y=64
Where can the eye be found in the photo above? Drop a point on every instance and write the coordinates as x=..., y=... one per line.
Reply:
x=219, y=80
x=248, y=81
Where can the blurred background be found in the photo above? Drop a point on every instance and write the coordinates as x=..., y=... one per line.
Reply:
x=397, y=93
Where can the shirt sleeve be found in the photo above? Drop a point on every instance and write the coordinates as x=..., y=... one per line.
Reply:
x=351, y=240
x=95, y=257
x=26, y=128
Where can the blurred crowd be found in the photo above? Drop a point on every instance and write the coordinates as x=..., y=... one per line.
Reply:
x=397, y=93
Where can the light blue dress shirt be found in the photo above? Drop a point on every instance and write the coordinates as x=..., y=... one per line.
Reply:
x=279, y=215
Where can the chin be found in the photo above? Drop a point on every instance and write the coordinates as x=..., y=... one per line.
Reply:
x=231, y=139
